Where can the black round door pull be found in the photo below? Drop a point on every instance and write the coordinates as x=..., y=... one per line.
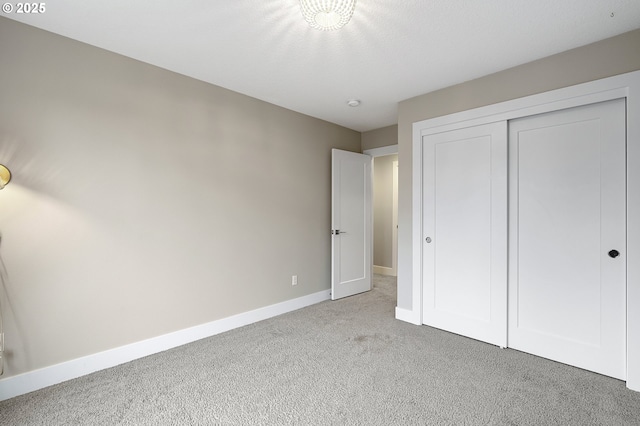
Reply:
x=614, y=253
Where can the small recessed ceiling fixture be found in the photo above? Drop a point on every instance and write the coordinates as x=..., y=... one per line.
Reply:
x=353, y=103
x=327, y=15
x=5, y=176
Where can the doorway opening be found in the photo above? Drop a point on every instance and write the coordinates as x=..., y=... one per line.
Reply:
x=385, y=210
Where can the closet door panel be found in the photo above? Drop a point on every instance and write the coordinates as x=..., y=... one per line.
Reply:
x=567, y=212
x=464, y=227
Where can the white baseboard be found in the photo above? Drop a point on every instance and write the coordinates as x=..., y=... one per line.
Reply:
x=408, y=316
x=383, y=270
x=38, y=379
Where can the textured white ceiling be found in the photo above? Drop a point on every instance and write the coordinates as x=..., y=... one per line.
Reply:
x=390, y=51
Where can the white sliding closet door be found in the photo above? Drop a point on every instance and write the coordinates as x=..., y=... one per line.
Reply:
x=465, y=232
x=567, y=236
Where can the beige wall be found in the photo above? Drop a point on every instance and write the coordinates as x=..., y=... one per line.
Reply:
x=145, y=202
x=379, y=138
x=383, y=210
x=606, y=58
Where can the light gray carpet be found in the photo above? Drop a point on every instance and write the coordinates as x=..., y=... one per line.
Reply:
x=347, y=362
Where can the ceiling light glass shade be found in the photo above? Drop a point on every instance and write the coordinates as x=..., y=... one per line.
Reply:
x=327, y=14
x=5, y=176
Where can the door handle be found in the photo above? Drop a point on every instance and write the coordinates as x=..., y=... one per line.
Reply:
x=337, y=232
x=614, y=253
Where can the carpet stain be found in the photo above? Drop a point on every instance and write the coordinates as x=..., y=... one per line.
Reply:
x=373, y=342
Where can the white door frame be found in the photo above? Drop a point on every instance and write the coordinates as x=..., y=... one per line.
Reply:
x=382, y=152
x=625, y=86
x=394, y=221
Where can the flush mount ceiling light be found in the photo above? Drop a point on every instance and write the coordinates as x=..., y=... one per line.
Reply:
x=327, y=15
x=5, y=176
x=353, y=103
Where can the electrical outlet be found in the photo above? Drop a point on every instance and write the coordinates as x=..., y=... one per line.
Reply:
x=294, y=280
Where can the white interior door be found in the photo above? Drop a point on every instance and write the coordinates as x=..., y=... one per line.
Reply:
x=567, y=212
x=351, y=224
x=465, y=232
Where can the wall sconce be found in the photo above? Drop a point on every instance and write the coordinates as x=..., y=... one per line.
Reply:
x=5, y=176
